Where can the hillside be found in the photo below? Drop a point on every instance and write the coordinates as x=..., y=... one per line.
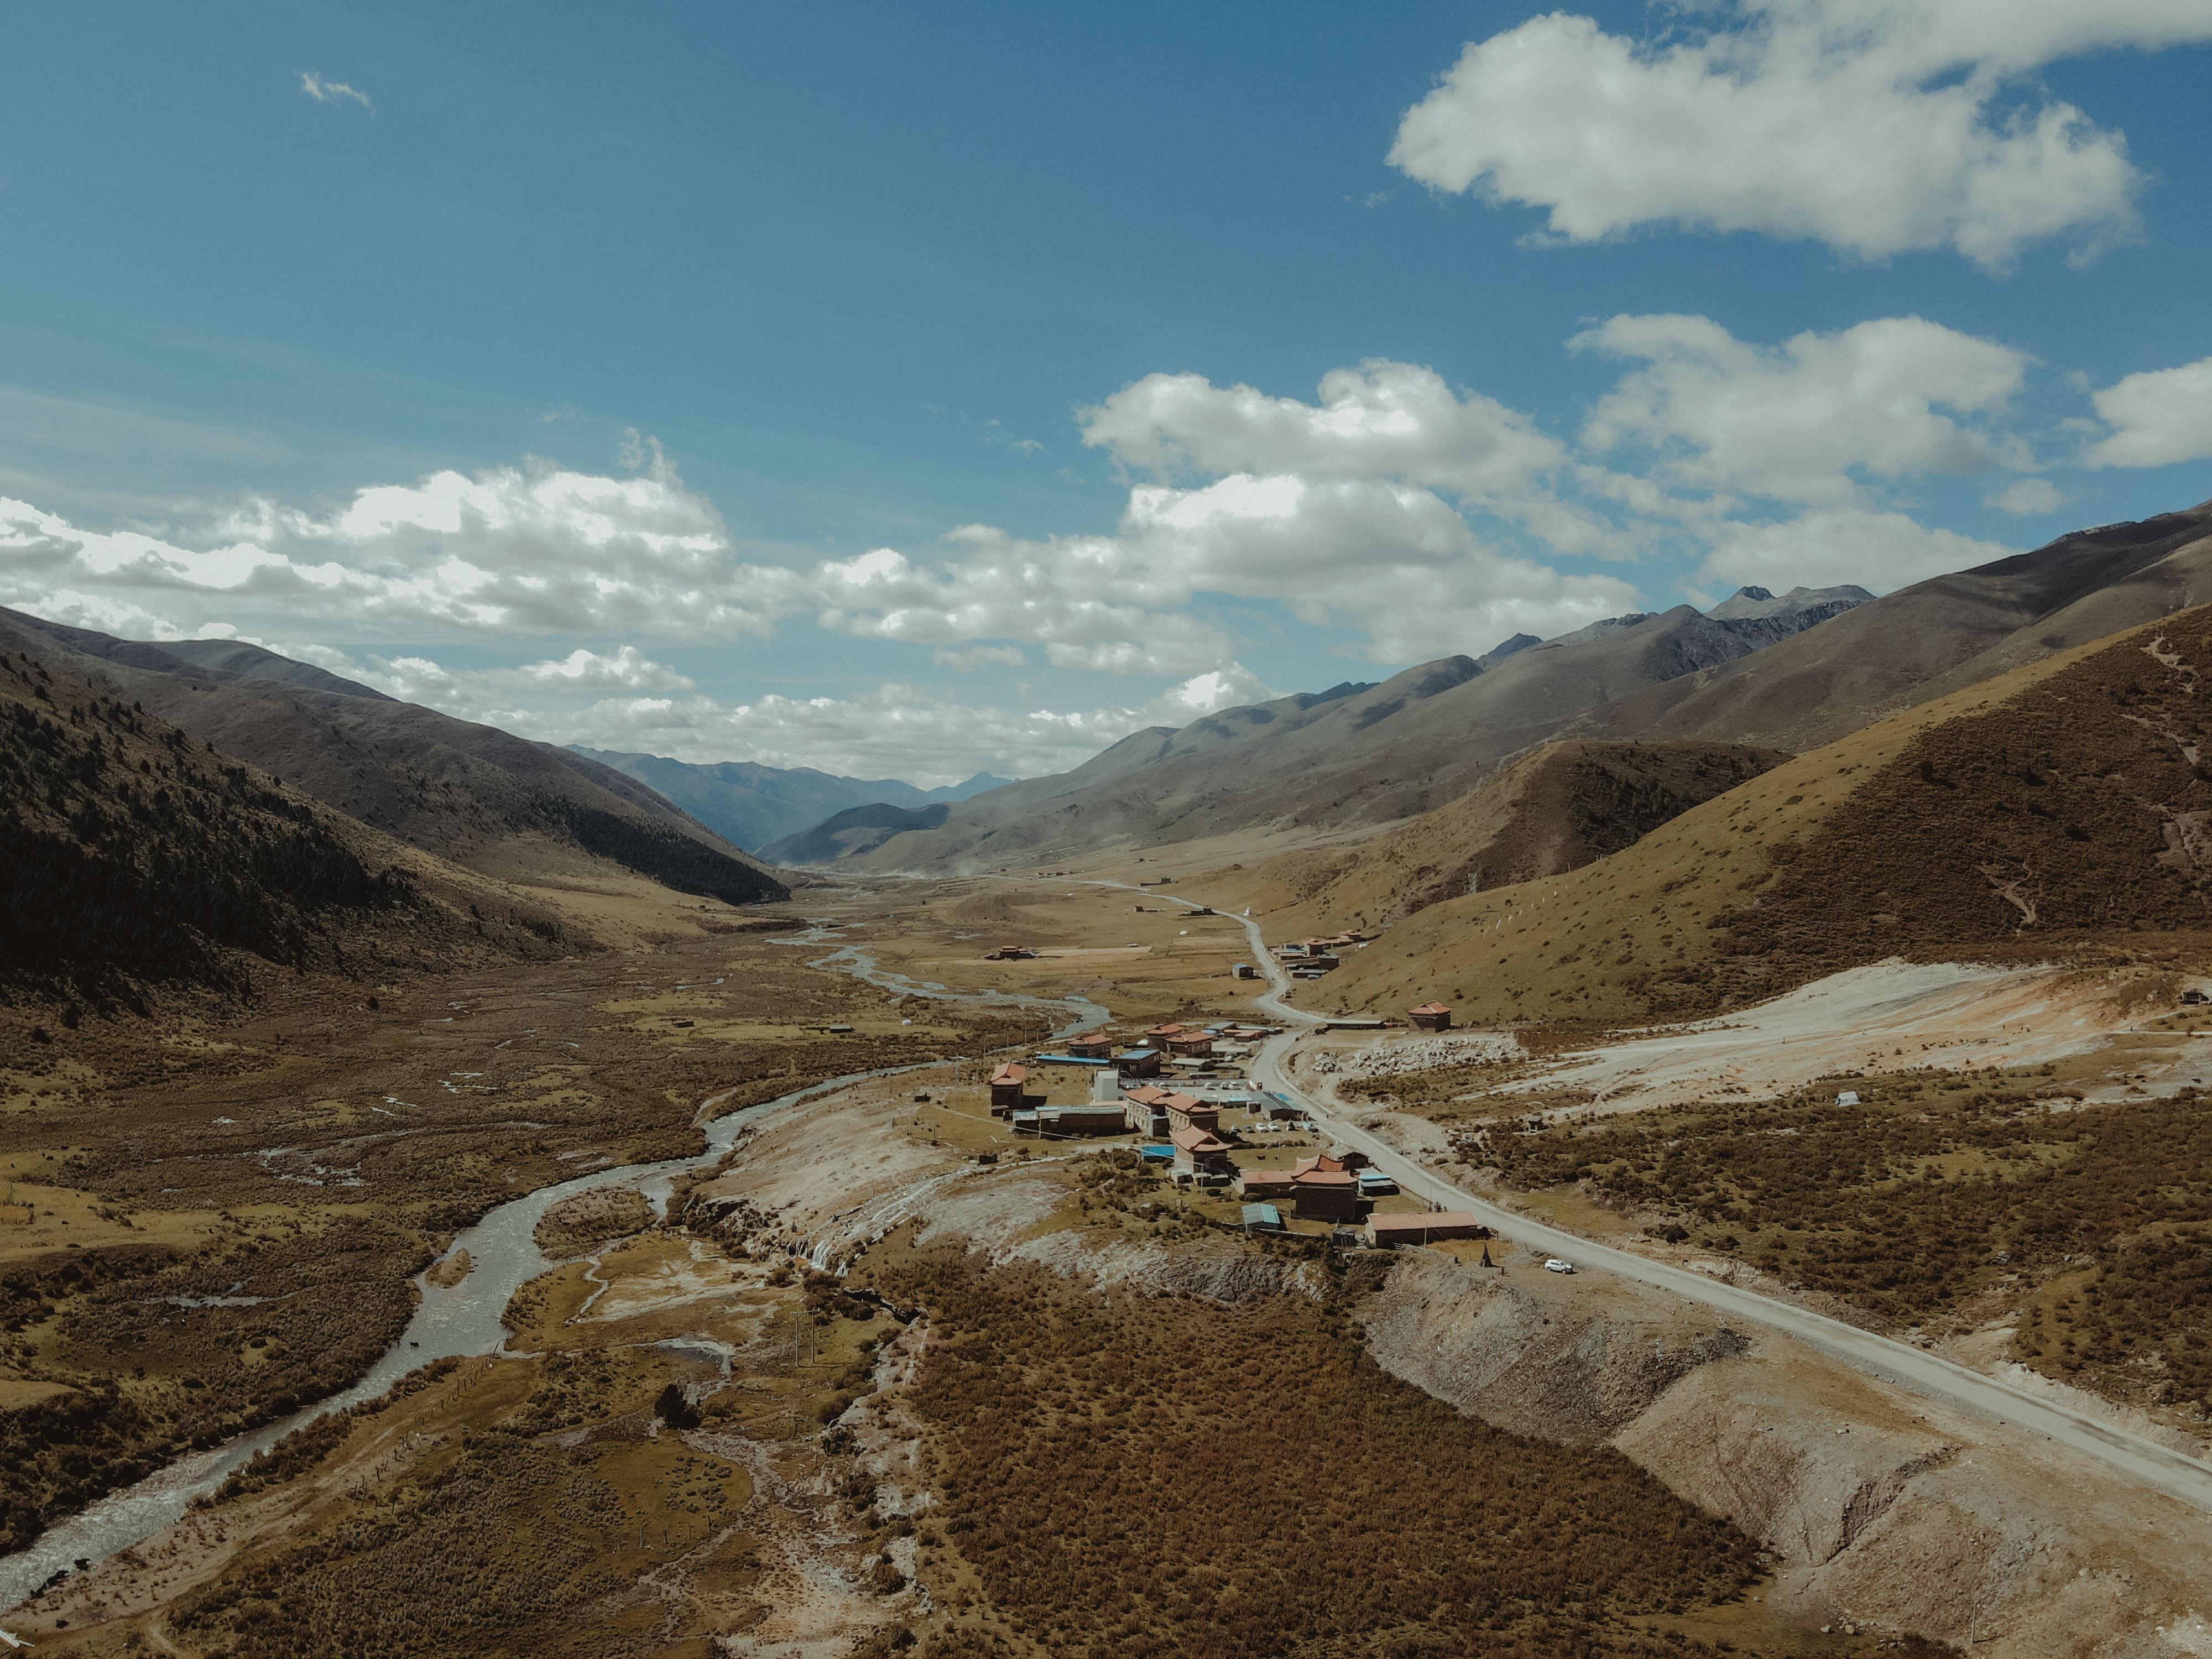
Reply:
x=134, y=859
x=1349, y=757
x=1937, y=636
x=2047, y=810
x=480, y=797
x=857, y=830
x=749, y=806
x=1557, y=808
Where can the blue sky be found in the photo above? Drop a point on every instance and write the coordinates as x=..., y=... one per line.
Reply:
x=911, y=391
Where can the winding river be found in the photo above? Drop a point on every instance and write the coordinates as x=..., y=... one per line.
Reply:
x=464, y=1319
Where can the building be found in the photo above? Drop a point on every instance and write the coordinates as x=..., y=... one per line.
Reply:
x=1244, y=970
x=1430, y=1017
x=1263, y=1218
x=1191, y=1044
x=1090, y=1119
x=1011, y=953
x=1188, y=1112
x=1203, y=1156
x=1422, y=1227
x=1326, y=1195
x=1091, y=1045
x=1373, y=1183
x=1138, y=1062
x=1009, y=1083
x=1267, y=1183
x=1325, y=1190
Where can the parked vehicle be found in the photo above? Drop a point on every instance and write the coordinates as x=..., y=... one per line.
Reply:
x=1556, y=1265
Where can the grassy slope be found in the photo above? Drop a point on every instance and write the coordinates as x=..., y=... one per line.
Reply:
x=2043, y=809
x=1557, y=808
x=136, y=859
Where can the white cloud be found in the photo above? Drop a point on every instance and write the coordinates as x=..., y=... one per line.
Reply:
x=332, y=92
x=1794, y=423
x=2026, y=497
x=1381, y=421
x=2157, y=417
x=1412, y=518
x=895, y=731
x=1876, y=127
x=1879, y=550
x=978, y=656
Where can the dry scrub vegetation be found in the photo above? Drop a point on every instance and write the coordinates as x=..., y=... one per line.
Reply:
x=250, y=1199
x=1940, y=1199
x=1127, y=1475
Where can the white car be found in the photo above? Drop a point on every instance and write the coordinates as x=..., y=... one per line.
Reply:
x=1556, y=1265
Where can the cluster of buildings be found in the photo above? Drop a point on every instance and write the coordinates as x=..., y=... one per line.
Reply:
x=1309, y=958
x=1189, y=1145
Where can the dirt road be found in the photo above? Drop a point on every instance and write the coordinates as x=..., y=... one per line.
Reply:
x=1896, y=1363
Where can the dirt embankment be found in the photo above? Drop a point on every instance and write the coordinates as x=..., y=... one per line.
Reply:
x=1884, y=1511
x=583, y=1223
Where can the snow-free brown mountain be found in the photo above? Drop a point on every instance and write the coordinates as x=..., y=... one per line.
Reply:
x=1934, y=637
x=1787, y=673
x=485, y=798
x=1351, y=757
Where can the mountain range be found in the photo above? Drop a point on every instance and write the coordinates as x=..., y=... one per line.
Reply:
x=473, y=795
x=1349, y=758
x=749, y=806
x=1762, y=671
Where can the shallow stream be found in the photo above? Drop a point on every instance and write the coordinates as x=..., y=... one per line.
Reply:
x=466, y=1319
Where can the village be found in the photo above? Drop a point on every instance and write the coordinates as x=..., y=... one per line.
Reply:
x=1232, y=1152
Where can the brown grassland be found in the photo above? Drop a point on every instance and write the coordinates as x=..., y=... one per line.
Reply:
x=2053, y=811
x=1941, y=1202
x=1124, y=1474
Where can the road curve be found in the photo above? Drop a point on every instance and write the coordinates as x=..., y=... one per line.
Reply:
x=1899, y=1364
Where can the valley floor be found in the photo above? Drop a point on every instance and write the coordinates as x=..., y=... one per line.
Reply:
x=1054, y=1404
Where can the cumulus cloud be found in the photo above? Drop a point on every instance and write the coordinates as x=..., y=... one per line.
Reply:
x=1411, y=519
x=1380, y=421
x=978, y=656
x=332, y=92
x=1798, y=422
x=1876, y=127
x=1879, y=550
x=2157, y=418
x=2026, y=497
x=896, y=730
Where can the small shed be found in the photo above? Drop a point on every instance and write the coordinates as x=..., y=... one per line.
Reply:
x=1244, y=970
x=1161, y=1154
x=1373, y=1183
x=1263, y=1218
x=1009, y=1083
x=1430, y=1017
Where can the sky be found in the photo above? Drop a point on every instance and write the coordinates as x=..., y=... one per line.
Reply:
x=916, y=390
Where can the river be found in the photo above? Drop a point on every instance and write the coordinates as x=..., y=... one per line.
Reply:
x=466, y=1319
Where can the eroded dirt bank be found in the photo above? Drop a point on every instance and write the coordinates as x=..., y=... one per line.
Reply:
x=1882, y=1510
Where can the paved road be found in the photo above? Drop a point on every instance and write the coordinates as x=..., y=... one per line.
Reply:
x=1897, y=1363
